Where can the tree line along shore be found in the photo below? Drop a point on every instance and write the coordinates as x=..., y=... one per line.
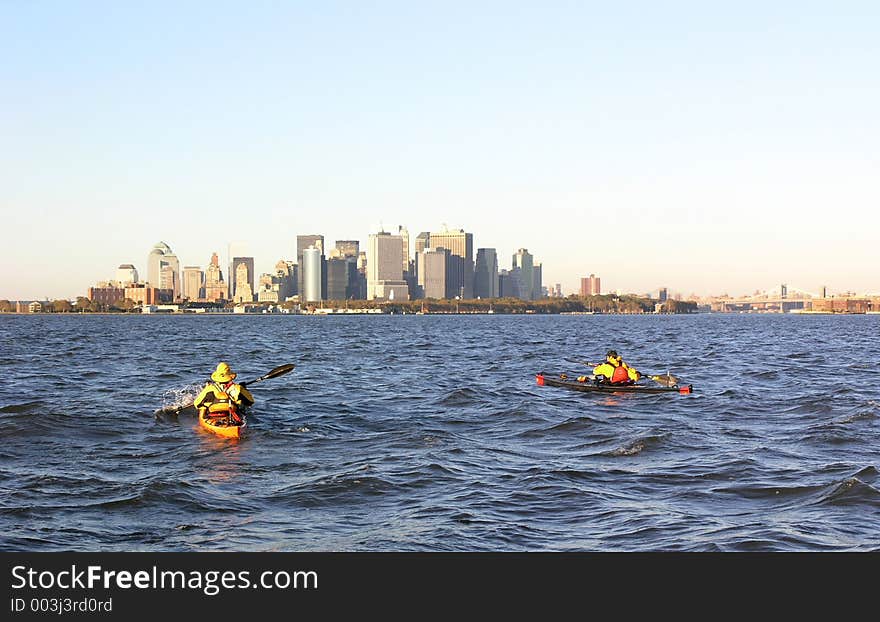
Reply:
x=603, y=303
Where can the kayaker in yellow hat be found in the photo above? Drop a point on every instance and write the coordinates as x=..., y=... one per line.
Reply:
x=222, y=397
x=615, y=371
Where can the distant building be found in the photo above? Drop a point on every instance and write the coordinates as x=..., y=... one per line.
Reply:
x=538, y=282
x=663, y=294
x=163, y=269
x=193, y=283
x=432, y=278
x=304, y=242
x=348, y=248
x=107, y=295
x=126, y=274
x=311, y=274
x=343, y=279
x=244, y=292
x=423, y=241
x=243, y=279
x=460, y=278
x=215, y=287
x=142, y=294
x=590, y=286
x=486, y=273
x=524, y=261
x=384, y=267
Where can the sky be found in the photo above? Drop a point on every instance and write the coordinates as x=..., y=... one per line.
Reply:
x=705, y=147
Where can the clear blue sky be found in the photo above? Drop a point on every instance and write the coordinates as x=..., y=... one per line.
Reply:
x=704, y=147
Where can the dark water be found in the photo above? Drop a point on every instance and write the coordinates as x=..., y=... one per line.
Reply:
x=429, y=433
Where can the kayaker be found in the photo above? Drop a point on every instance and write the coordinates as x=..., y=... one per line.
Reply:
x=615, y=371
x=223, y=397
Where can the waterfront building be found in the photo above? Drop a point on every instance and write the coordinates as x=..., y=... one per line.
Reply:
x=310, y=268
x=142, y=294
x=243, y=275
x=304, y=242
x=538, y=282
x=590, y=286
x=193, y=283
x=126, y=274
x=460, y=245
x=663, y=294
x=215, y=287
x=163, y=269
x=384, y=267
x=524, y=262
x=434, y=264
x=107, y=295
x=244, y=291
x=486, y=273
x=342, y=278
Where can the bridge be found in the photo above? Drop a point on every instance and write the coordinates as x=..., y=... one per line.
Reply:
x=780, y=298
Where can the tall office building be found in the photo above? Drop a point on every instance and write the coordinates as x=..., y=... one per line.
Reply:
x=423, y=241
x=126, y=274
x=461, y=259
x=342, y=278
x=302, y=243
x=524, y=261
x=215, y=287
x=432, y=277
x=384, y=268
x=241, y=277
x=663, y=294
x=162, y=257
x=310, y=268
x=244, y=291
x=348, y=248
x=486, y=273
x=538, y=281
x=595, y=286
x=404, y=240
x=193, y=283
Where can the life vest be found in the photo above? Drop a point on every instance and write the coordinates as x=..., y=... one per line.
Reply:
x=222, y=404
x=621, y=375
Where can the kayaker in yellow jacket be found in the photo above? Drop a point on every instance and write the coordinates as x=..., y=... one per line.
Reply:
x=615, y=371
x=223, y=397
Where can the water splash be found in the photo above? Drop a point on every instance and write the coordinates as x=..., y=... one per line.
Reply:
x=181, y=397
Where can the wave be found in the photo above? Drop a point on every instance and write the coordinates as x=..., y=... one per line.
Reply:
x=636, y=445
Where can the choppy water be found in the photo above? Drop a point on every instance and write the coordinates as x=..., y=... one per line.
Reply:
x=429, y=433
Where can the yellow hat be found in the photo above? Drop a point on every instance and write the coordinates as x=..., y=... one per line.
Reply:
x=223, y=373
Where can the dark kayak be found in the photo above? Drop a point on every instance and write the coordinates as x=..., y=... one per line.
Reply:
x=591, y=386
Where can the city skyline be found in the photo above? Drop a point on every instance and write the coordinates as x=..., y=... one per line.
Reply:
x=700, y=148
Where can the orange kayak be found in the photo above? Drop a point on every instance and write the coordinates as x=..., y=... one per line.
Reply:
x=220, y=427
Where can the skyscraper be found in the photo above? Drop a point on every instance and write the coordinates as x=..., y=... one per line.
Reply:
x=342, y=278
x=525, y=262
x=432, y=277
x=243, y=276
x=423, y=241
x=310, y=268
x=302, y=243
x=384, y=267
x=161, y=257
x=486, y=273
x=595, y=286
x=215, y=287
x=537, y=281
x=348, y=248
x=126, y=274
x=461, y=246
x=193, y=283
x=244, y=291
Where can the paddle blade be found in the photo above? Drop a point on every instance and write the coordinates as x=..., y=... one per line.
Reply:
x=666, y=380
x=278, y=371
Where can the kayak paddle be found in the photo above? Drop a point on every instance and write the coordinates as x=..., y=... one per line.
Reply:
x=278, y=371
